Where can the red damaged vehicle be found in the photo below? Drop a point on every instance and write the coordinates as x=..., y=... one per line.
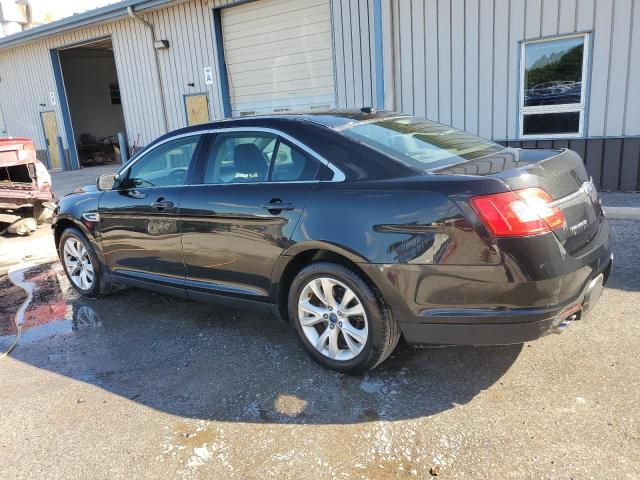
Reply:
x=25, y=183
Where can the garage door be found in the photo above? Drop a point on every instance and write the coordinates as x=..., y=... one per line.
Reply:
x=278, y=55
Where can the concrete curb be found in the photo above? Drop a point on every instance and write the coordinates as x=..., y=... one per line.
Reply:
x=622, y=213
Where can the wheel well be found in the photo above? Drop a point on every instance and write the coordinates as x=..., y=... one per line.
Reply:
x=61, y=226
x=306, y=258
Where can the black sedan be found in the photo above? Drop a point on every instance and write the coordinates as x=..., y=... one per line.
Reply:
x=355, y=226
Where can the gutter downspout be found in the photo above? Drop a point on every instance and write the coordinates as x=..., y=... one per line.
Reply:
x=149, y=26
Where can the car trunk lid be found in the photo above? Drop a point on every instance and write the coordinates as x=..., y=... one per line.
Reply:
x=560, y=173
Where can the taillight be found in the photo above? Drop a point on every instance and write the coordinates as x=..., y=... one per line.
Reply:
x=519, y=213
x=29, y=146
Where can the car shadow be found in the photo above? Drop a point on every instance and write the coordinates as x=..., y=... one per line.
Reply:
x=202, y=361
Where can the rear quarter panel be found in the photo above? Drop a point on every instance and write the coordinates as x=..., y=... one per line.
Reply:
x=394, y=222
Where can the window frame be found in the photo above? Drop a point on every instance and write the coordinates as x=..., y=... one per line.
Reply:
x=338, y=175
x=581, y=107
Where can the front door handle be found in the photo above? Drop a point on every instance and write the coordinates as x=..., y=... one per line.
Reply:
x=161, y=204
x=276, y=205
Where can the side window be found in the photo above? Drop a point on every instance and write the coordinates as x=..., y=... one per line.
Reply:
x=291, y=165
x=164, y=166
x=240, y=158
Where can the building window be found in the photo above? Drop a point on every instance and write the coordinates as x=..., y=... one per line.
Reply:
x=553, y=76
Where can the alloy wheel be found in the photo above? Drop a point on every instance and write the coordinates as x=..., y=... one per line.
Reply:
x=333, y=318
x=78, y=264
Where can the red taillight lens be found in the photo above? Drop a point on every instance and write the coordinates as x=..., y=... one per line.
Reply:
x=518, y=213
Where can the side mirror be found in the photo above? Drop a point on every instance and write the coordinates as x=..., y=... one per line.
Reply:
x=107, y=182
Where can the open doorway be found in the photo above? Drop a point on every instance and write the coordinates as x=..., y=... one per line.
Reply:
x=93, y=96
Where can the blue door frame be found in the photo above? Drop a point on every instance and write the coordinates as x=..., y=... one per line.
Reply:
x=64, y=107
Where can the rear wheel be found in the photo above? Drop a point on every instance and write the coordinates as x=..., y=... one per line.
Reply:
x=340, y=320
x=81, y=264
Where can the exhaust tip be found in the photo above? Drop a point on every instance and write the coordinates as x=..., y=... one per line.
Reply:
x=565, y=323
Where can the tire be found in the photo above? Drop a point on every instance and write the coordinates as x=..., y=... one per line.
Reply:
x=376, y=325
x=100, y=285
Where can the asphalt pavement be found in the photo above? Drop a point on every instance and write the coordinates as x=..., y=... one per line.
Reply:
x=140, y=385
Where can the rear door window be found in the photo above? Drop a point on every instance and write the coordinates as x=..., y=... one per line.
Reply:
x=240, y=158
x=292, y=165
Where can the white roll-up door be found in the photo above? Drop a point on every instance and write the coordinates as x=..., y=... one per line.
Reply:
x=279, y=56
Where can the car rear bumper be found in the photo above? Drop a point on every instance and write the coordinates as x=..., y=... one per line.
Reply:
x=491, y=305
x=554, y=320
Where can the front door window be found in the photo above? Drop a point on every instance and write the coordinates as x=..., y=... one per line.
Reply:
x=164, y=166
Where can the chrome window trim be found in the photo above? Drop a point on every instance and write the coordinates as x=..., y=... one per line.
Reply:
x=338, y=175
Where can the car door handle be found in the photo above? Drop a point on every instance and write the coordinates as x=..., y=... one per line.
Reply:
x=162, y=204
x=278, y=206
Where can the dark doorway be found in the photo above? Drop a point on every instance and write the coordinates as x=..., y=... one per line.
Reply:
x=95, y=106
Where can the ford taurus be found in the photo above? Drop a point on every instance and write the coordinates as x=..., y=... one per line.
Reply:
x=355, y=226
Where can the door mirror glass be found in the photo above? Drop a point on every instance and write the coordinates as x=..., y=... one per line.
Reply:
x=107, y=182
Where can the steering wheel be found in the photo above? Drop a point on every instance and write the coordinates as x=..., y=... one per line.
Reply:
x=177, y=176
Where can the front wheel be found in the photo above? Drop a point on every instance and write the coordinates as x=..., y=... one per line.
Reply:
x=342, y=323
x=81, y=264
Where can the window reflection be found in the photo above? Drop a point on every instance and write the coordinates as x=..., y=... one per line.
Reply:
x=553, y=72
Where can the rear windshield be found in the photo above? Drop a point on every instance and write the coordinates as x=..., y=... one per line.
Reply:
x=421, y=143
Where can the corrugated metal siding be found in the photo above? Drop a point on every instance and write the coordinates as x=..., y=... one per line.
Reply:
x=353, y=42
x=27, y=73
x=457, y=60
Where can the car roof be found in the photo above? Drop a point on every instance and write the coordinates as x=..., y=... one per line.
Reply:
x=333, y=118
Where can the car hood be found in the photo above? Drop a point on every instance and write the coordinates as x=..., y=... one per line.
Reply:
x=84, y=189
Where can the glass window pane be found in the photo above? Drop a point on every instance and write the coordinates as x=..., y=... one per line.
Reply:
x=293, y=165
x=242, y=158
x=164, y=166
x=553, y=72
x=421, y=143
x=551, y=123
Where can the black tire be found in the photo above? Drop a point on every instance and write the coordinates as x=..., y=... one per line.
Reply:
x=101, y=285
x=383, y=330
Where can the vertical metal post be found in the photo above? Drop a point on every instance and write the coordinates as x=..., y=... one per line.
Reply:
x=124, y=150
x=62, y=155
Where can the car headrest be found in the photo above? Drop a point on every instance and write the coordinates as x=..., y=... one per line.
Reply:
x=249, y=160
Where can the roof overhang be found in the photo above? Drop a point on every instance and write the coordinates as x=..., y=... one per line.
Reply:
x=79, y=20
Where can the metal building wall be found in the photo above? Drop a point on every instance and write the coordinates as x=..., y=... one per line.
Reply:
x=457, y=61
x=27, y=73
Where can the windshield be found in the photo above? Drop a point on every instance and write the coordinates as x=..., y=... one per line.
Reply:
x=421, y=143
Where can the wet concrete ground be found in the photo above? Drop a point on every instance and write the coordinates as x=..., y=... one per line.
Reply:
x=140, y=385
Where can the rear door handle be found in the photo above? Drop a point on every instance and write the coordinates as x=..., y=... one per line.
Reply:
x=161, y=204
x=278, y=206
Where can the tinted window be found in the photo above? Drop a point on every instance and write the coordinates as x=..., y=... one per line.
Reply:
x=551, y=123
x=291, y=164
x=241, y=158
x=165, y=165
x=421, y=143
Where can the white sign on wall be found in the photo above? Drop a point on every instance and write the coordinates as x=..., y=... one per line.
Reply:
x=52, y=98
x=208, y=75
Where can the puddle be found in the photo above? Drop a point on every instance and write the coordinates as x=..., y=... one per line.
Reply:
x=48, y=311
